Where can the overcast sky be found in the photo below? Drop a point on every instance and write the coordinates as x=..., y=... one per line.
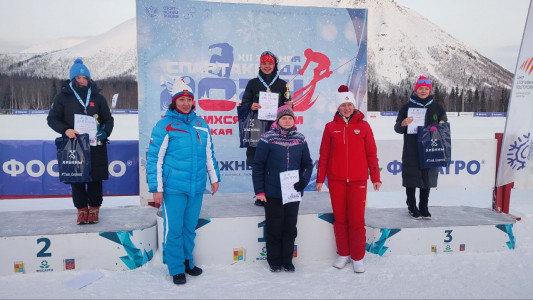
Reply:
x=25, y=23
x=493, y=27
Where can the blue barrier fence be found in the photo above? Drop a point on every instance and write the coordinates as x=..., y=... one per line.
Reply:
x=29, y=169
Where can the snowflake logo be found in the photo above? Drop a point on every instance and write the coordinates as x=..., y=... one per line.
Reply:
x=181, y=35
x=434, y=143
x=253, y=28
x=518, y=153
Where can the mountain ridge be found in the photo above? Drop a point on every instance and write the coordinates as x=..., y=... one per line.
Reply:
x=402, y=45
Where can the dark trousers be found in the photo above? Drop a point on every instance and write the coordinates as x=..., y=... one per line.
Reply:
x=87, y=194
x=280, y=230
x=250, y=154
x=423, y=195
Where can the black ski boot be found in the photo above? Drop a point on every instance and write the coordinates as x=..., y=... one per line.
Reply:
x=179, y=278
x=413, y=210
x=194, y=271
x=423, y=205
x=424, y=213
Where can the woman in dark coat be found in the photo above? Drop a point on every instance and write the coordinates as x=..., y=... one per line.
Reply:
x=80, y=95
x=280, y=149
x=412, y=175
x=266, y=81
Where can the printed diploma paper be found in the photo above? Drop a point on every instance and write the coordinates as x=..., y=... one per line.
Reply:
x=269, y=106
x=86, y=124
x=288, y=193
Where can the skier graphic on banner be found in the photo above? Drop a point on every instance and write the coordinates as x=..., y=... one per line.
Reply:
x=303, y=98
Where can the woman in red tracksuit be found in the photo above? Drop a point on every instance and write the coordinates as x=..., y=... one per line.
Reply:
x=348, y=153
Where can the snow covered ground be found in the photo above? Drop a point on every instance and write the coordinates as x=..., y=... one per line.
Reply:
x=491, y=275
x=495, y=275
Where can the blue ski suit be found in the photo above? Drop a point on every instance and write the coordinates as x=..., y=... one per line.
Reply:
x=179, y=159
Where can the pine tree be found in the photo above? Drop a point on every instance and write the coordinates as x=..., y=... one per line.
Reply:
x=476, y=104
x=483, y=102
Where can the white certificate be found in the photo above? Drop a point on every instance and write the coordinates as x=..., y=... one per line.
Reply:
x=288, y=193
x=86, y=124
x=269, y=106
x=419, y=117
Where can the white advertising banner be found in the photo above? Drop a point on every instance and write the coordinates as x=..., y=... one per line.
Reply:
x=517, y=143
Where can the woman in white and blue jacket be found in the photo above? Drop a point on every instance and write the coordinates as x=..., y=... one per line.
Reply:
x=179, y=159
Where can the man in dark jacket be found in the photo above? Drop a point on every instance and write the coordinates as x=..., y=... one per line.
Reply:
x=80, y=95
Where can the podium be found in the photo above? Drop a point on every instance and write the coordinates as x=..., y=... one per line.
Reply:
x=391, y=231
x=50, y=241
x=231, y=230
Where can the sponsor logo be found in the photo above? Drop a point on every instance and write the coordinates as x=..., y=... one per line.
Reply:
x=19, y=267
x=519, y=152
x=295, y=252
x=527, y=65
x=238, y=254
x=171, y=12
x=448, y=249
x=262, y=254
x=72, y=154
x=150, y=11
x=70, y=264
x=44, y=267
x=456, y=167
x=462, y=247
x=36, y=168
x=434, y=248
x=170, y=128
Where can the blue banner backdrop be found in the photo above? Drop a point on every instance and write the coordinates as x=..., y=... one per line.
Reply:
x=29, y=168
x=215, y=47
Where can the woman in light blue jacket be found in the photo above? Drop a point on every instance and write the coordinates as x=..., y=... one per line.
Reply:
x=180, y=157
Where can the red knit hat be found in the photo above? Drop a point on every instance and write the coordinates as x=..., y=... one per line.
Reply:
x=422, y=81
x=267, y=58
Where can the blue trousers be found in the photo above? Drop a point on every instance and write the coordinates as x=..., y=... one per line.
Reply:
x=180, y=217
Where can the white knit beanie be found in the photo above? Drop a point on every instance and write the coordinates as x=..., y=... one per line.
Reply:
x=344, y=95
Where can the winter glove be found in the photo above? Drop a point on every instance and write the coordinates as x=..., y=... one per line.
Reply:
x=300, y=186
x=101, y=134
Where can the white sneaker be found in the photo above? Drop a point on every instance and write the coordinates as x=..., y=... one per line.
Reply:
x=341, y=261
x=358, y=266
